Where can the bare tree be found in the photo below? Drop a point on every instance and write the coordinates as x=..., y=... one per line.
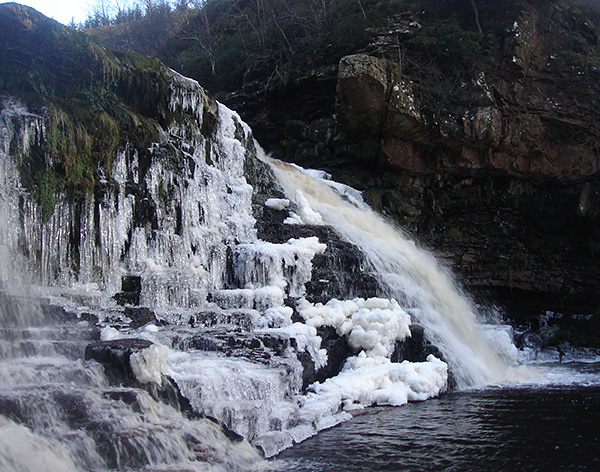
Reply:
x=362, y=9
x=103, y=11
x=201, y=33
x=476, y=10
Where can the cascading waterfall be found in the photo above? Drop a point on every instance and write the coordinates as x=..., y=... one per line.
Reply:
x=60, y=413
x=57, y=411
x=182, y=225
x=410, y=274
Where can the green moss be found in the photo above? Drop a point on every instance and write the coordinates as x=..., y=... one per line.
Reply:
x=49, y=187
x=96, y=101
x=86, y=128
x=83, y=134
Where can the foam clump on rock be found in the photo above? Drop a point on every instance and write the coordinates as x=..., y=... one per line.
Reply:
x=370, y=377
x=305, y=215
x=366, y=381
x=148, y=365
x=373, y=324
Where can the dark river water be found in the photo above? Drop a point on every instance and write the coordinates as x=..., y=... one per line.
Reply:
x=553, y=425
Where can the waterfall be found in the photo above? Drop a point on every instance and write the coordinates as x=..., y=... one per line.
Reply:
x=410, y=275
x=227, y=315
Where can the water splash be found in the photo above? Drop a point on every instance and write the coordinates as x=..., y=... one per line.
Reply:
x=409, y=274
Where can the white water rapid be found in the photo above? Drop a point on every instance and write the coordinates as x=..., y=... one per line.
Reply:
x=59, y=413
x=411, y=275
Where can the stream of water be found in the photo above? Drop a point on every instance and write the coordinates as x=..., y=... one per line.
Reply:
x=411, y=275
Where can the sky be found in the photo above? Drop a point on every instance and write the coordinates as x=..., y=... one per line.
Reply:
x=60, y=10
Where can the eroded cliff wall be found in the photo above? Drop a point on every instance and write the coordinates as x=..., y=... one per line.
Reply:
x=485, y=145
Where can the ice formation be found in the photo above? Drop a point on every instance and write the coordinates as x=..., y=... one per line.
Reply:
x=149, y=364
x=305, y=215
x=371, y=325
x=375, y=380
x=287, y=266
x=277, y=203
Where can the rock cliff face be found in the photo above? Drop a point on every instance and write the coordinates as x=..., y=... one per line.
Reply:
x=495, y=164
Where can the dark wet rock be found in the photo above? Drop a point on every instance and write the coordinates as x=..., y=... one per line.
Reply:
x=256, y=346
x=363, y=90
x=338, y=350
x=340, y=272
x=12, y=407
x=269, y=222
x=235, y=320
x=496, y=169
x=308, y=369
x=558, y=322
x=140, y=316
x=530, y=340
x=415, y=348
x=259, y=174
x=114, y=356
x=131, y=287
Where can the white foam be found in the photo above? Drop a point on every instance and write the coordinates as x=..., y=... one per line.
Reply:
x=311, y=243
x=500, y=338
x=409, y=274
x=109, y=333
x=149, y=365
x=373, y=324
x=305, y=214
x=277, y=317
x=306, y=340
x=369, y=380
x=277, y=203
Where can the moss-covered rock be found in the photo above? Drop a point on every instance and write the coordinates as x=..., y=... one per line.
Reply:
x=95, y=101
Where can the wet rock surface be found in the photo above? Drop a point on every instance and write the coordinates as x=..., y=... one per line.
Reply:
x=338, y=351
x=115, y=356
x=415, y=348
x=340, y=272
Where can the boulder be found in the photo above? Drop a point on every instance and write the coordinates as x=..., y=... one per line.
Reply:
x=115, y=356
x=363, y=89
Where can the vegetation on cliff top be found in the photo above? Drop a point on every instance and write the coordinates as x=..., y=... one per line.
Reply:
x=226, y=44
